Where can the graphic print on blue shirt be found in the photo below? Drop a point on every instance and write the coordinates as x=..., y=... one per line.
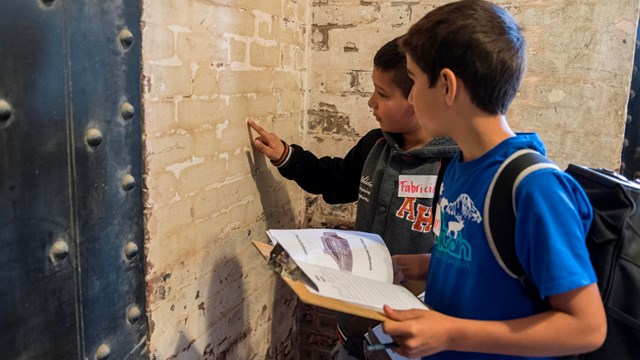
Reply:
x=451, y=245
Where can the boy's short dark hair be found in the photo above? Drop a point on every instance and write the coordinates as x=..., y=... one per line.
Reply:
x=389, y=58
x=477, y=40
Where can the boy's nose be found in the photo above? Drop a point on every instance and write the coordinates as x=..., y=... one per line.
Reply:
x=371, y=103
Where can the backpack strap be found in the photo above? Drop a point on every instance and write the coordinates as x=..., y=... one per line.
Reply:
x=444, y=163
x=500, y=211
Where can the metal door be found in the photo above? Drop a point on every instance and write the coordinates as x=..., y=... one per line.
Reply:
x=71, y=236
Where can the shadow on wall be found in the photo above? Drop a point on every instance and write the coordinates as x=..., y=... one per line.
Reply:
x=275, y=201
x=278, y=214
x=231, y=336
x=225, y=315
x=230, y=325
x=184, y=349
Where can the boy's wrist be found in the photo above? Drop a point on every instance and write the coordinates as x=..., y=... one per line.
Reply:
x=284, y=157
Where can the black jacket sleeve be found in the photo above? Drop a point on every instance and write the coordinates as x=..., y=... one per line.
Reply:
x=336, y=179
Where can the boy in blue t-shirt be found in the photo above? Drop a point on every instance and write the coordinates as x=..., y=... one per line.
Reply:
x=467, y=59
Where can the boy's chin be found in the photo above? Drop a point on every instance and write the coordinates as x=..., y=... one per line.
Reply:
x=385, y=127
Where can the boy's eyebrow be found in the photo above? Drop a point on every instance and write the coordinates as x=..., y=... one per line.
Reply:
x=380, y=88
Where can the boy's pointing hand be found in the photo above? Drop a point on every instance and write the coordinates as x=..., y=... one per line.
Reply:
x=267, y=142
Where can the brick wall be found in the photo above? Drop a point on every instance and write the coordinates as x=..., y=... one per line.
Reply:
x=208, y=66
x=302, y=68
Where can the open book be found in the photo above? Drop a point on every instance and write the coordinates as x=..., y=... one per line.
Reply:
x=351, y=268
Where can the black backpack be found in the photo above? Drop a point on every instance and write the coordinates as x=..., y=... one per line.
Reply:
x=613, y=242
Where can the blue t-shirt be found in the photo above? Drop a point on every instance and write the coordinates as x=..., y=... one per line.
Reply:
x=553, y=217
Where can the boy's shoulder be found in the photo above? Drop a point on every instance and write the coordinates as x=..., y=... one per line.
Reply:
x=519, y=142
x=489, y=163
x=369, y=140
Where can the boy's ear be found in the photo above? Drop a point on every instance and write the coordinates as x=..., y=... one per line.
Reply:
x=450, y=85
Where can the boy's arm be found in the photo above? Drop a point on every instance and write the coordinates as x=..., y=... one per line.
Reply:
x=337, y=179
x=575, y=324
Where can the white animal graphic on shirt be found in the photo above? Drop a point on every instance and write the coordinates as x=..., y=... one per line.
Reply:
x=454, y=227
x=462, y=209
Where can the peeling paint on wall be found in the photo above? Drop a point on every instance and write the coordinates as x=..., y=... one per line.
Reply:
x=326, y=119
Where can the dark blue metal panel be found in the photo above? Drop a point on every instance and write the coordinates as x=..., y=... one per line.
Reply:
x=37, y=293
x=71, y=236
x=631, y=150
x=105, y=77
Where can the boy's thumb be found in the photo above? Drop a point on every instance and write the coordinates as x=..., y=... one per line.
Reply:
x=399, y=315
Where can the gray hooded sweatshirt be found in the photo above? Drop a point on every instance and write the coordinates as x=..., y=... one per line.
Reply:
x=394, y=188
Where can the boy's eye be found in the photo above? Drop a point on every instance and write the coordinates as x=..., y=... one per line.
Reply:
x=382, y=94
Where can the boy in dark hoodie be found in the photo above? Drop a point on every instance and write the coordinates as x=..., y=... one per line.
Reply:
x=392, y=171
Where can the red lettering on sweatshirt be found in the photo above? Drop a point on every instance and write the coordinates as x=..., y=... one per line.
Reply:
x=407, y=208
x=421, y=217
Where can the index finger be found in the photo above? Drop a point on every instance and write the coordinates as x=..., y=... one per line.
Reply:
x=256, y=127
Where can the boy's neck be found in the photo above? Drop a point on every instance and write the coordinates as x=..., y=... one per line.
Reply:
x=481, y=133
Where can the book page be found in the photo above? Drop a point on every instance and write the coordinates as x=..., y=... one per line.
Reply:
x=358, y=290
x=359, y=253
